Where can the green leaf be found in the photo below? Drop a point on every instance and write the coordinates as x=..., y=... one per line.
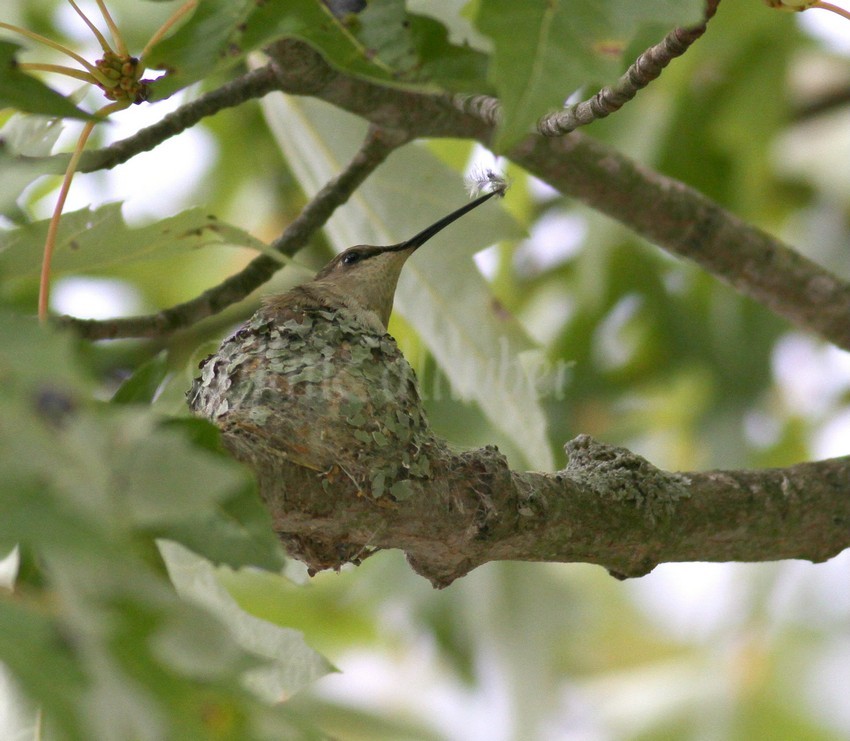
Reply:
x=441, y=293
x=141, y=387
x=222, y=32
x=385, y=43
x=97, y=239
x=547, y=49
x=201, y=432
x=24, y=93
x=417, y=48
x=115, y=468
x=32, y=136
x=291, y=663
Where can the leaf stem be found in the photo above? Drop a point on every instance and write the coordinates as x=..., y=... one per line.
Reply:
x=113, y=29
x=104, y=44
x=53, y=227
x=59, y=69
x=834, y=8
x=53, y=44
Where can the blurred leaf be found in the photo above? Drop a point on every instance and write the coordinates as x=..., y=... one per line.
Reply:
x=19, y=90
x=236, y=533
x=87, y=487
x=201, y=432
x=292, y=664
x=440, y=293
x=33, y=647
x=98, y=238
x=324, y=611
x=17, y=175
x=730, y=92
x=31, y=136
x=546, y=49
x=141, y=387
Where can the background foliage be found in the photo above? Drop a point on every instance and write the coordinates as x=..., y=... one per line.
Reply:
x=103, y=474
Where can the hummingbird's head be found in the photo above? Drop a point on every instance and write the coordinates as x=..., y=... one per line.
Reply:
x=365, y=277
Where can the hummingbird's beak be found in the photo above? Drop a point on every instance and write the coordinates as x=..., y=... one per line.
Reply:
x=437, y=226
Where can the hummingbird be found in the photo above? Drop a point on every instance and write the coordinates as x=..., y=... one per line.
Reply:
x=314, y=380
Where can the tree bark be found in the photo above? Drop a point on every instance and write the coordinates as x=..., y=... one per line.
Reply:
x=609, y=507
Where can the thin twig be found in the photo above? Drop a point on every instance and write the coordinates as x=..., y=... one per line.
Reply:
x=827, y=102
x=647, y=67
x=378, y=145
x=254, y=84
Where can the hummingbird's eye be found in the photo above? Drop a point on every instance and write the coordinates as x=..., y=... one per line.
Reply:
x=351, y=258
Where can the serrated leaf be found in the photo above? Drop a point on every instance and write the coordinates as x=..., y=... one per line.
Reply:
x=221, y=32
x=97, y=239
x=291, y=663
x=441, y=293
x=24, y=93
x=544, y=50
x=385, y=43
x=114, y=467
x=417, y=48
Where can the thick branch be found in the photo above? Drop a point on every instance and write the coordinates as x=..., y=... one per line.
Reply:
x=682, y=220
x=608, y=507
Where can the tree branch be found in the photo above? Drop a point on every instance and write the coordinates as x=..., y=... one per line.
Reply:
x=664, y=211
x=375, y=149
x=253, y=84
x=327, y=413
x=608, y=507
x=682, y=220
x=646, y=68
